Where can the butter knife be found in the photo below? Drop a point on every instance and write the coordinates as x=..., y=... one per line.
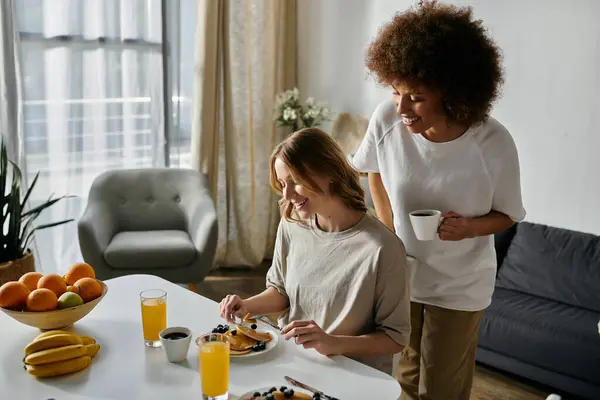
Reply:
x=265, y=319
x=240, y=321
x=304, y=386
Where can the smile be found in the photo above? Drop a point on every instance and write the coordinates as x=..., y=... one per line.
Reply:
x=300, y=204
x=410, y=121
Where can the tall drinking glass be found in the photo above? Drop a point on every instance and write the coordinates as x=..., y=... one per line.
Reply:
x=154, y=315
x=213, y=354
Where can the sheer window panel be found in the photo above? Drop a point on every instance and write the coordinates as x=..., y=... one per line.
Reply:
x=181, y=29
x=94, y=99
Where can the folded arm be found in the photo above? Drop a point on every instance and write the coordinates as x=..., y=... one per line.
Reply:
x=455, y=227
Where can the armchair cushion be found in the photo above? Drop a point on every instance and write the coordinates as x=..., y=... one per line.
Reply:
x=150, y=249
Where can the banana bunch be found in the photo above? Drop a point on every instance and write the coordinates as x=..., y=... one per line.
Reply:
x=55, y=353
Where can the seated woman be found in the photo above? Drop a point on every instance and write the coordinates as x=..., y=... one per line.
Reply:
x=339, y=275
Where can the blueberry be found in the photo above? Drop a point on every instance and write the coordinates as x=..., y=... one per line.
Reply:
x=265, y=393
x=219, y=326
x=216, y=330
x=226, y=327
x=273, y=389
x=270, y=396
x=233, y=332
x=282, y=389
x=288, y=393
x=316, y=396
x=256, y=394
x=256, y=348
x=253, y=326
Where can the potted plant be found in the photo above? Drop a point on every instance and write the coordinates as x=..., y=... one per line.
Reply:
x=16, y=224
x=290, y=112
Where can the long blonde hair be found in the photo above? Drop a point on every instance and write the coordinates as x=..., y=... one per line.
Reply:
x=312, y=151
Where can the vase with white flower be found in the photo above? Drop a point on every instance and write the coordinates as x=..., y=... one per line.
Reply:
x=289, y=111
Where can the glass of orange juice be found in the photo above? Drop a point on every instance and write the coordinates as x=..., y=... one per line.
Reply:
x=154, y=315
x=213, y=354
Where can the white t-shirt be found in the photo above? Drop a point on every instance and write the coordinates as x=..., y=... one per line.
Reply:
x=351, y=283
x=471, y=175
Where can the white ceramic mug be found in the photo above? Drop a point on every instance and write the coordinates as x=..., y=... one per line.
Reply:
x=425, y=223
x=176, y=349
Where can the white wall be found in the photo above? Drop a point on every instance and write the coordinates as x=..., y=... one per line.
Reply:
x=550, y=102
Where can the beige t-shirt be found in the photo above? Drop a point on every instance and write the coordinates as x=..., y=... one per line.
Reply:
x=351, y=283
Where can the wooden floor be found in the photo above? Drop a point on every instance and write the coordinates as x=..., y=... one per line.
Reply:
x=488, y=384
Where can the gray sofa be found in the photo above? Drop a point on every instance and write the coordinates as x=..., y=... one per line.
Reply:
x=159, y=221
x=543, y=321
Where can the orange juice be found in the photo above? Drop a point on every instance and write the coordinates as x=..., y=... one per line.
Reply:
x=154, y=315
x=214, y=368
x=154, y=318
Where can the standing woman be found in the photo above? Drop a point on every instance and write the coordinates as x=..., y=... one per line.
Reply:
x=434, y=146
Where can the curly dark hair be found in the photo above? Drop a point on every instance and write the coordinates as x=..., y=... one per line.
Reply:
x=442, y=47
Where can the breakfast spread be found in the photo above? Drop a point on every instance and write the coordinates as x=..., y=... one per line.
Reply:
x=244, y=339
x=281, y=394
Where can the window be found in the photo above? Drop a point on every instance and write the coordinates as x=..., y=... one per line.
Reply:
x=106, y=84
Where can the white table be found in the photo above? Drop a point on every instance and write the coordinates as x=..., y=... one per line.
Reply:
x=125, y=369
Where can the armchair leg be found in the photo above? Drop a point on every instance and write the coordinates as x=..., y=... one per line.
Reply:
x=192, y=287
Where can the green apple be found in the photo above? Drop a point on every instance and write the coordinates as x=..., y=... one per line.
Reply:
x=68, y=300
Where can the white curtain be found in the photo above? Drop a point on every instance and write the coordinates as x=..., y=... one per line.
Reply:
x=94, y=100
x=245, y=55
x=11, y=115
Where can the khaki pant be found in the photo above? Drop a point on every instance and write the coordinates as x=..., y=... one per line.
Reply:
x=439, y=362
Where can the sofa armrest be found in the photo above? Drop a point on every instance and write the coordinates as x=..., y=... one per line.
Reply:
x=96, y=228
x=502, y=241
x=202, y=226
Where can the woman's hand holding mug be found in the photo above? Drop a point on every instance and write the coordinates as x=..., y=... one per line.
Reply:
x=455, y=227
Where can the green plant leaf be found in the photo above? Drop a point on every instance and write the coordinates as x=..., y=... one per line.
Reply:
x=29, y=190
x=44, y=226
x=45, y=205
x=15, y=225
x=3, y=169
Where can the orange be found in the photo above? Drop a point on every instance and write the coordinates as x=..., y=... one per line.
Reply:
x=54, y=282
x=89, y=289
x=13, y=295
x=42, y=300
x=78, y=271
x=31, y=279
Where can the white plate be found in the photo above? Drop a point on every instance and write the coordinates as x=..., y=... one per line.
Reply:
x=270, y=345
x=248, y=395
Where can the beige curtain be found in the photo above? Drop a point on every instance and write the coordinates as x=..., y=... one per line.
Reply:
x=245, y=54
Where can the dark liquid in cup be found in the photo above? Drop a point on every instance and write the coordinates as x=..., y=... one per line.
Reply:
x=423, y=214
x=175, y=335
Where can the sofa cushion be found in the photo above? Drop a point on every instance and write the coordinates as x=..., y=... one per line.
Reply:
x=553, y=263
x=150, y=249
x=543, y=333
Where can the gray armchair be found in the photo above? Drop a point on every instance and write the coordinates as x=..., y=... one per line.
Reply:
x=159, y=221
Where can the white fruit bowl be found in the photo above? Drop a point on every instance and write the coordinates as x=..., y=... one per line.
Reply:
x=57, y=319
